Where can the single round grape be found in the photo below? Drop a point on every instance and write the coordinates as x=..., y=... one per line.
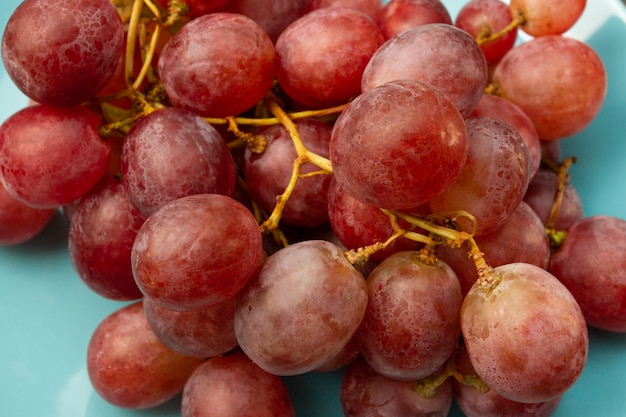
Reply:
x=50, y=156
x=129, y=367
x=400, y=15
x=62, y=52
x=357, y=224
x=321, y=56
x=365, y=393
x=411, y=325
x=475, y=403
x=494, y=179
x=101, y=235
x=592, y=265
x=540, y=196
x=301, y=310
x=522, y=238
x=171, y=153
x=218, y=65
x=196, y=251
x=560, y=103
x=233, y=386
x=399, y=145
x=505, y=110
x=19, y=222
x=527, y=337
x=440, y=55
x=272, y=15
x=268, y=174
x=547, y=17
x=371, y=8
x=199, y=333
x=485, y=18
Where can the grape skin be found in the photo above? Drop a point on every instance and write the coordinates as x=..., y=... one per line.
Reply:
x=411, y=140
x=19, y=222
x=70, y=56
x=39, y=146
x=129, y=367
x=591, y=264
x=171, y=153
x=321, y=56
x=371, y=8
x=233, y=386
x=411, y=325
x=302, y=308
x=196, y=251
x=220, y=64
x=101, y=235
x=547, y=17
x=560, y=103
x=437, y=54
x=400, y=15
x=527, y=337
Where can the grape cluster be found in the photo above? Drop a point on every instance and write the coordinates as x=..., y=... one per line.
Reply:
x=304, y=186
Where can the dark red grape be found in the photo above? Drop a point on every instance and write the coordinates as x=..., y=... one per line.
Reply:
x=19, y=222
x=402, y=129
x=129, y=367
x=200, y=7
x=301, y=310
x=369, y=7
x=72, y=53
x=592, y=265
x=196, y=251
x=365, y=393
x=50, y=156
x=272, y=15
x=268, y=174
x=219, y=64
x=233, y=386
x=102, y=231
x=173, y=153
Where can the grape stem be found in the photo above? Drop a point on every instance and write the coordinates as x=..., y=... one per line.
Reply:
x=556, y=237
x=304, y=156
x=487, y=36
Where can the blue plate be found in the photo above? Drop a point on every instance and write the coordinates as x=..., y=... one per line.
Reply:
x=47, y=315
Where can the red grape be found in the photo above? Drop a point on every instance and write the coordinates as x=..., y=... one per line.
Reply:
x=129, y=367
x=218, y=65
x=482, y=18
x=402, y=129
x=592, y=265
x=200, y=7
x=365, y=393
x=559, y=102
x=547, y=17
x=199, y=333
x=526, y=337
x=369, y=7
x=400, y=15
x=268, y=174
x=196, y=251
x=440, y=55
x=494, y=179
x=321, y=56
x=101, y=236
x=233, y=386
x=19, y=222
x=72, y=53
x=172, y=153
x=411, y=325
x=302, y=309
x=272, y=15
x=50, y=156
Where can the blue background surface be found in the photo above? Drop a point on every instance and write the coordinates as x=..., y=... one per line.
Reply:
x=47, y=315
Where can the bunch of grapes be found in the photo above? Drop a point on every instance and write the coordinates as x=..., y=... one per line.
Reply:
x=280, y=187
